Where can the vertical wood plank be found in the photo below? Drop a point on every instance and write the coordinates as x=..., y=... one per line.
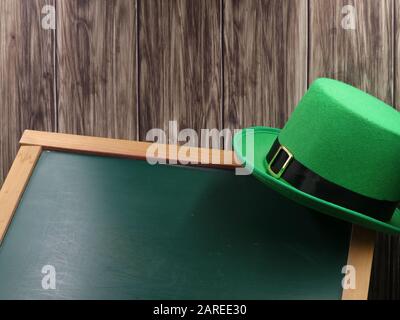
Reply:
x=96, y=50
x=180, y=64
x=385, y=281
x=265, y=60
x=26, y=75
x=396, y=45
x=364, y=58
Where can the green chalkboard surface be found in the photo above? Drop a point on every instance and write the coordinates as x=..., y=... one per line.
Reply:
x=117, y=228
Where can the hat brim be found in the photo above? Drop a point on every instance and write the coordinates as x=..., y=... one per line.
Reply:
x=263, y=138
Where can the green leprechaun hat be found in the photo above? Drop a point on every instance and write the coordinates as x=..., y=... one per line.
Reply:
x=339, y=153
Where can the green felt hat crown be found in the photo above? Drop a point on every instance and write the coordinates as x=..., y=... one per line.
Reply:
x=339, y=145
x=348, y=137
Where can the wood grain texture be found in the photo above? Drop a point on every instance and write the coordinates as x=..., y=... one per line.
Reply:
x=362, y=57
x=180, y=61
x=26, y=75
x=265, y=55
x=96, y=50
x=385, y=280
x=15, y=183
x=396, y=49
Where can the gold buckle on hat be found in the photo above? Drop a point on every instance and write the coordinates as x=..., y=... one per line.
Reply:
x=282, y=170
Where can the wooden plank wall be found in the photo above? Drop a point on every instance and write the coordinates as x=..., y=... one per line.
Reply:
x=265, y=61
x=118, y=68
x=180, y=62
x=26, y=75
x=96, y=68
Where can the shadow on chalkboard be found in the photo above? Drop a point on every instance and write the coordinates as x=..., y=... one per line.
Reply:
x=248, y=212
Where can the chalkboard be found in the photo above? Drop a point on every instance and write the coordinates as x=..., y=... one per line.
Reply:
x=115, y=228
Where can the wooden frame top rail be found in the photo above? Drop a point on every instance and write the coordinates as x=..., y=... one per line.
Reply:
x=130, y=149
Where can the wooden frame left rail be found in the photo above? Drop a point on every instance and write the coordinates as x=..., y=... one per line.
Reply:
x=15, y=183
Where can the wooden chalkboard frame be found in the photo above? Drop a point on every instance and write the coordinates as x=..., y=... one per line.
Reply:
x=32, y=143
